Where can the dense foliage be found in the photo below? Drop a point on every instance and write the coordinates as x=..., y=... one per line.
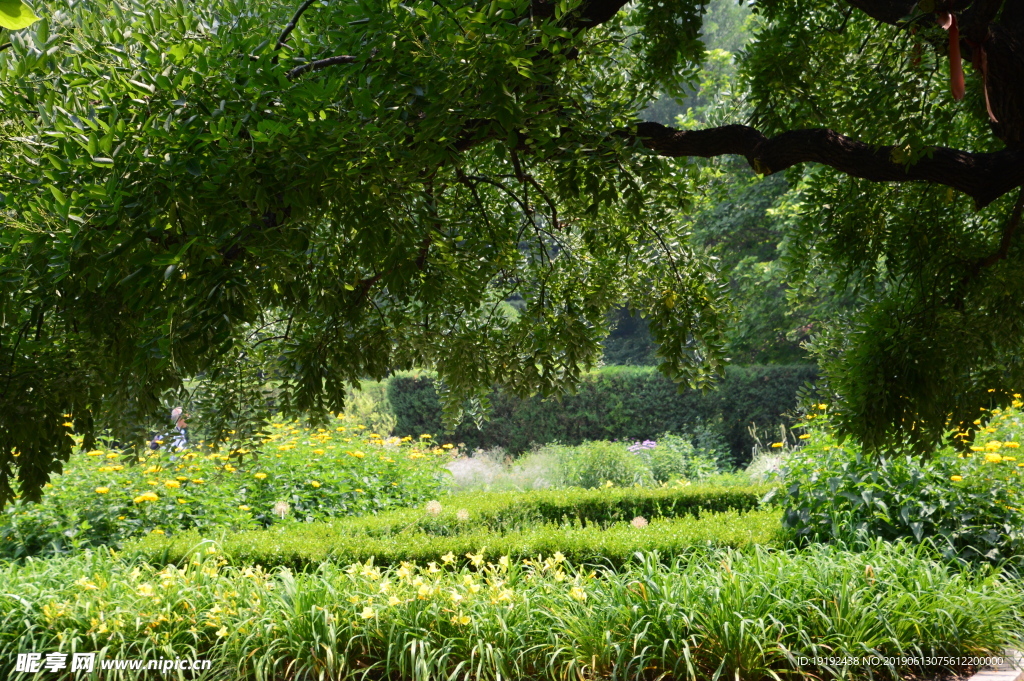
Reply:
x=617, y=403
x=614, y=544
x=257, y=203
x=749, y=615
x=968, y=505
x=302, y=475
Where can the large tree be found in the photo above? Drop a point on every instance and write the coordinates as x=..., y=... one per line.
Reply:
x=351, y=187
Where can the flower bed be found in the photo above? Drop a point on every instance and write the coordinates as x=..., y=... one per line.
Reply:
x=310, y=475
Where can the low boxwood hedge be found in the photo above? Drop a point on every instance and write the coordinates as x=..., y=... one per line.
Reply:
x=591, y=523
x=308, y=545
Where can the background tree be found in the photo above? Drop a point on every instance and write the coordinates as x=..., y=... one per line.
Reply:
x=376, y=177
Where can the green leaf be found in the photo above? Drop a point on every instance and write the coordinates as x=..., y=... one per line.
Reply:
x=16, y=15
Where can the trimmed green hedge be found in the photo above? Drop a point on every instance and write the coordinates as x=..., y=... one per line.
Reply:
x=582, y=524
x=614, y=403
x=305, y=546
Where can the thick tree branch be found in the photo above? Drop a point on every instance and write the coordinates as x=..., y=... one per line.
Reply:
x=983, y=177
x=886, y=11
x=283, y=38
x=1008, y=233
x=321, y=64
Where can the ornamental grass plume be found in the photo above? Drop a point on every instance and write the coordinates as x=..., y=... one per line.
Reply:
x=281, y=509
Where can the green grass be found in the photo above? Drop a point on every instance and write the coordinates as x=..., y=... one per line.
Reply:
x=721, y=613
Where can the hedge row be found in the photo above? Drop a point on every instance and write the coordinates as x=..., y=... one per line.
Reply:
x=522, y=522
x=615, y=403
x=304, y=546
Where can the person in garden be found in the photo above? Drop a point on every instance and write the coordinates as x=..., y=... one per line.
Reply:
x=176, y=440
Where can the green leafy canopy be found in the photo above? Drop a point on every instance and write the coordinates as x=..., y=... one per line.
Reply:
x=186, y=196
x=250, y=204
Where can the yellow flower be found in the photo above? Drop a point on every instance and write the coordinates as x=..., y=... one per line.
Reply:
x=578, y=594
x=368, y=613
x=172, y=484
x=148, y=496
x=102, y=490
x=394, y=600
x=243, y=507
x=315, y=483
x=260, y=476
x=822, y=406
x=112, y=455
x=95, y=452
x=776, y=444
x=447, y=446
x=198, y=481
x=955, y=478
x=146, y=590
x=229, y=468
x=1012, y=445
x=222, y=632
x=357, y=454
x=448, y=558
x=993, y=458
x=157, y=531
x=319, y=451
x=461, y=619
x=805, y=436
x=182, y=501
x=181, y=478
x=68, y=424
x=425, y=437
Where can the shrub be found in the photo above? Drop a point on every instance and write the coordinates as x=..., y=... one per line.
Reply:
x=520, y=522
x=101, y=499
x=588, y=465
x=967, y=504
x=302, y=546
x=615, y=403
x=368, y=406
x=594, y=464
x=673, y=457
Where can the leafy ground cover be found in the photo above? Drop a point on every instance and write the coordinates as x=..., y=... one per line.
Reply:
x=101, y=499
x=966, y=501
x=727, y=614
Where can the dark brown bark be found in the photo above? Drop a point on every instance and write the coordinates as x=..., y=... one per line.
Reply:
x=321, y=64
x=984, y=177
